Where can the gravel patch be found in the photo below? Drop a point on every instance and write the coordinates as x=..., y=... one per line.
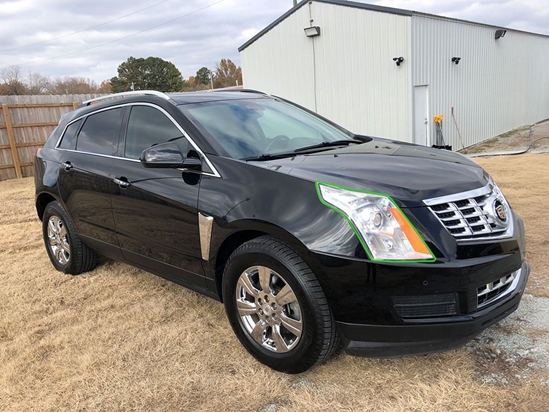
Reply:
x=513, y=142
x=517, y=348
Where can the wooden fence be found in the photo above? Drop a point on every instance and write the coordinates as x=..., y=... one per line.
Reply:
x=25, y=124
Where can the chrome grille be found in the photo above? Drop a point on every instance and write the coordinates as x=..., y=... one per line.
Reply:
x=472, y=215
x=497, y=289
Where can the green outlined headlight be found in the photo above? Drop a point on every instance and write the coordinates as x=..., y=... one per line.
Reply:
x=384, y=231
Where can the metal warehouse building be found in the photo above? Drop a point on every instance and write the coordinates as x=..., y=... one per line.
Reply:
x=338, y=59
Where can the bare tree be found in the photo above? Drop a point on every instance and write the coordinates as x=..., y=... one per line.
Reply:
x=37, y=84
x=76, y=85
x=11, y=73
x=12, y=81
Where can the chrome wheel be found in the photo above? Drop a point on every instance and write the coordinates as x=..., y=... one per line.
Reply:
x=268, y=309
x=58, y=240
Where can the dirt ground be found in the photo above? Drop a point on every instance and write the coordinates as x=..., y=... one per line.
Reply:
x=121, y=339
x=535, y=137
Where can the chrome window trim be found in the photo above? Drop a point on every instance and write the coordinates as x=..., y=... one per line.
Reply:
x=183, y=132
x=134, y=160
x=205, y=225
x=79, y=118
x=99, y=154
x=125, y=94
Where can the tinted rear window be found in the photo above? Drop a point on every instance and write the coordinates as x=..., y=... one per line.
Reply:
x=100, y=132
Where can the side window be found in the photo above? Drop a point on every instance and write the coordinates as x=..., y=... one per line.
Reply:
x=147, y=127
x=68, y=141
x=100, y=132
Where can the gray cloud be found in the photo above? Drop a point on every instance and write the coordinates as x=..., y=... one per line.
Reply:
x=527, y=15
x=200, y=39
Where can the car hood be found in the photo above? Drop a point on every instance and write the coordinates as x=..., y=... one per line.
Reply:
x=406, y=172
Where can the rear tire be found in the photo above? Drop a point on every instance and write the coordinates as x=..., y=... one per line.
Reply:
x=66, y=251
x=277, y=307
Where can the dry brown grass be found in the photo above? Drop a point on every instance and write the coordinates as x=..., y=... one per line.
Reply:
x=121, y=339
x=524, y=179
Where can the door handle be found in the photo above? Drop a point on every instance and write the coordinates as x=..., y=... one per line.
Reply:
x=122, y=182
x=67, y=165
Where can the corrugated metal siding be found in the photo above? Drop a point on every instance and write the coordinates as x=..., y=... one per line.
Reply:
x=357, y=83
x=497, y=86
x=281, y=61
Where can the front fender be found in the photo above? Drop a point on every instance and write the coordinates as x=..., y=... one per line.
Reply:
x=250, y=198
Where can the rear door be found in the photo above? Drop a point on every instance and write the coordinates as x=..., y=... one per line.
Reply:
x=155, y=209
x=87, y=149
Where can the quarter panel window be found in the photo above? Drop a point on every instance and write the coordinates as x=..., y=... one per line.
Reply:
x=99, y=134
x=68, y=140
x=147, y=127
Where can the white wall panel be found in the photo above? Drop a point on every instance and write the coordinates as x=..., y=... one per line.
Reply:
x=281, y=61
x=497, y=86
x=346, y=74
x=357, y=82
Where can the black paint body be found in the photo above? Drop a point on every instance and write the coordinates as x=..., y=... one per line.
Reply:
x=153, y=224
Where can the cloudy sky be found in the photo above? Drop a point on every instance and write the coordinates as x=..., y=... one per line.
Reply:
x=91, y=38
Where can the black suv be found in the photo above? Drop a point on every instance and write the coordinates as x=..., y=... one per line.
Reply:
x=313, y=237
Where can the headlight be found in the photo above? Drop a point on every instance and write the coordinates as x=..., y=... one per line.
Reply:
x=383, y=230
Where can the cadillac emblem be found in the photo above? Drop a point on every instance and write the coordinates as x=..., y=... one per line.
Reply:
x=499, y=208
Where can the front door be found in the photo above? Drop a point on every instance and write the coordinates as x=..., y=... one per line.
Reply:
x=155, y=209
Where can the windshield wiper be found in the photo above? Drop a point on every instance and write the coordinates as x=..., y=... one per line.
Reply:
x=268, y=156
x=328, y=144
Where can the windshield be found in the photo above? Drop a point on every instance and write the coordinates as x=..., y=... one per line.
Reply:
x=251, y=128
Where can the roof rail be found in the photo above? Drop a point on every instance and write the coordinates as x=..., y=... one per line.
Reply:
x=254, y=91
x=239, y=90
x=226, y=89
x=124, y=94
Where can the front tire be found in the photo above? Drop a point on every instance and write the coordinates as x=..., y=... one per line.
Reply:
x=276, y=306
x=67, y=253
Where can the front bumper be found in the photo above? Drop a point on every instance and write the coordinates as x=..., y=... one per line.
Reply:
x=431, y=335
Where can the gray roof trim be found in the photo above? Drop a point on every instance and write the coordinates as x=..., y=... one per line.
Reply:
x=273, y=24
x=344, y=3
x=474, y=23
x=365, y=6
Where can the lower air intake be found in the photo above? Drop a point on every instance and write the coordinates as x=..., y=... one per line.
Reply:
x=426, y=306
x=495, y=290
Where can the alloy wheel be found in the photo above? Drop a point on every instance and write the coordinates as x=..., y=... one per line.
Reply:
x=269, y=309
x=58, y=240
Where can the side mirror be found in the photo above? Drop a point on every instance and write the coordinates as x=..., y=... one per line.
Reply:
x=192, y=163
x=168, y=155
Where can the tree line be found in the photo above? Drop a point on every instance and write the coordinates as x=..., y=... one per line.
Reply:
x=14, y=82
x=151, y=73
